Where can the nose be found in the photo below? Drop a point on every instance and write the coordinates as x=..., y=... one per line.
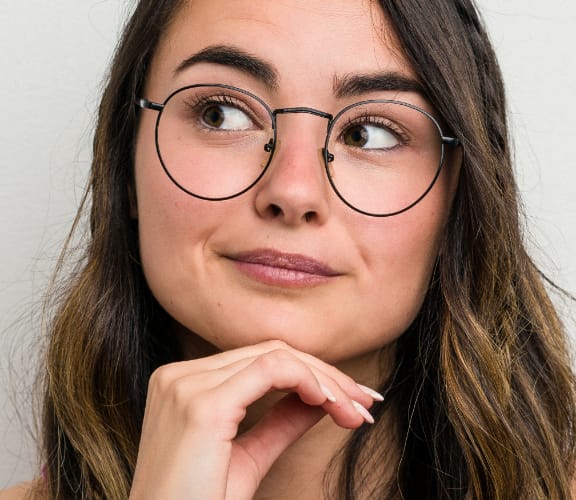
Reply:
x=295, y=189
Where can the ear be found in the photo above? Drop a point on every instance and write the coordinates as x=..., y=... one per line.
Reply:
x=133, y=202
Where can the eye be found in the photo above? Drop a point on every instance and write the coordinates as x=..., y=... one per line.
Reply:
x=369, y=136
x=225, y=117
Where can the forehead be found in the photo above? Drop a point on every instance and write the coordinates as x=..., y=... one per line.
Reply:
x=308, y=42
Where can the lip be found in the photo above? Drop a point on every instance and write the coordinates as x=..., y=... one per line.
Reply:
x=282, y=269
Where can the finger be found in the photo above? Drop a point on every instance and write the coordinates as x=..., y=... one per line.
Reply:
x=275, y=370
x=280, y=370
x=330, y=388
x=365, y=395
x=174, y=377
x=260, y=447
x=184, y=377
x=239, y=358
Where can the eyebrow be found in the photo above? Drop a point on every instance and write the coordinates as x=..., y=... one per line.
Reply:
x=351, y=85
x=236, y=58
x=357, y=85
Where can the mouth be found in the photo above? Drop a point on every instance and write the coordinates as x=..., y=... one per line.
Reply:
x=282, y=269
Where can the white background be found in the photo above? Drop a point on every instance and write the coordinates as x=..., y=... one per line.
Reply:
x=53, y=55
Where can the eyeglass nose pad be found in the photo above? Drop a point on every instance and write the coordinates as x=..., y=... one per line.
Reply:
x=327, y=154
x=323, y=155
x=327, y=157
x=270, y=147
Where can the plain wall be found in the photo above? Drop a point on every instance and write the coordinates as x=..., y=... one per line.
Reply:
x=53, y=57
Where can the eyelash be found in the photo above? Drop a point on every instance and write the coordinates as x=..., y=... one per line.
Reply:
x=201, y=102
x=198, y=105
x=379, y=122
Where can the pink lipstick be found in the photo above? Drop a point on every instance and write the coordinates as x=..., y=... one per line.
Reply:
x=282, y=269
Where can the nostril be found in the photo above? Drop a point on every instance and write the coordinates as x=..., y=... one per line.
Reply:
x=309, y=216
x=275, y=210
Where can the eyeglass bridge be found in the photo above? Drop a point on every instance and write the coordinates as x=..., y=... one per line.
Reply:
x=300, y=109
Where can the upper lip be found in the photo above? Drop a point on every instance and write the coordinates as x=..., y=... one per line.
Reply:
x=292, y=261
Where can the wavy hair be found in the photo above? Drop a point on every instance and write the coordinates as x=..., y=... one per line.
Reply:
x=482, y=396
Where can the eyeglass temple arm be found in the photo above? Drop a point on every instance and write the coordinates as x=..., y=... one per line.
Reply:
x=450, y=141
x=146, y=104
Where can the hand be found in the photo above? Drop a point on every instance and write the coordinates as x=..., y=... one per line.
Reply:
x=189, y=446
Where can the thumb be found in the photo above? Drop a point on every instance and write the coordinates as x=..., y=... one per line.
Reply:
x=286, y=422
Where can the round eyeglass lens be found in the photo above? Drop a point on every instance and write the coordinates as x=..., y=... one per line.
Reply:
x=386, y=156
x=211, y=140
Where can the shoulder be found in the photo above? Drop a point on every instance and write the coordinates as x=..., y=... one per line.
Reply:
x=18, y=492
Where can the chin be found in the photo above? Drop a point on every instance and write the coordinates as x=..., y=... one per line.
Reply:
x=329, y=346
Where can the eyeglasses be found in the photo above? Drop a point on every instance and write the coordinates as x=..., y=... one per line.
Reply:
x=381, y=156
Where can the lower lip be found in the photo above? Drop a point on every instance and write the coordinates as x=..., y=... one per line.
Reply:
x=279, y=276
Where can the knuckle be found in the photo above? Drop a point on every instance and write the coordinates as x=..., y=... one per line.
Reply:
x=348, y=380
x=276, y=359
x=345, y=381
x=283, y=367
x=267, y=362
x=209, y=412
x=193, y=406
x=160, y=379
x=188, y=400
x=277, y=345
x=197, y=410
x=177, y=391
x=180, y=393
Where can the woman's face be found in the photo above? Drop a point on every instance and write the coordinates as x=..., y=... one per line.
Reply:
x=288, y=259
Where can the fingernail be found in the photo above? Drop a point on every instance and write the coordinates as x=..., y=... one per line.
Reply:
x=328, y=393
x=376, y=396
x=363, y=411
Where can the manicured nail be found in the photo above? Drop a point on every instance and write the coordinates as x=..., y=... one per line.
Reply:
x=328, y=393
x=376, y=396
x=363, y=411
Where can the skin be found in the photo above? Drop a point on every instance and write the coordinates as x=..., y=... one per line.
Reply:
x=222, y=426
x=294, y=339
x=16, y=492
x=385, y=264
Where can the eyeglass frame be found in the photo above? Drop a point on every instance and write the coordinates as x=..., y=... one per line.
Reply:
x=270, y=147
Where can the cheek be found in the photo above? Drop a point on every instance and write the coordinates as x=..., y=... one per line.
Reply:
x=165, y=213
x=172, y=225
x=158, y=204
x=398, y=269
x=400, y=253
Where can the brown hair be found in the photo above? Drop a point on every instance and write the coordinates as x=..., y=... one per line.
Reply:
x=482, y=396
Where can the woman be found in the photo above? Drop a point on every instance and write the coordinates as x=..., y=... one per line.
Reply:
x=292, y=203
